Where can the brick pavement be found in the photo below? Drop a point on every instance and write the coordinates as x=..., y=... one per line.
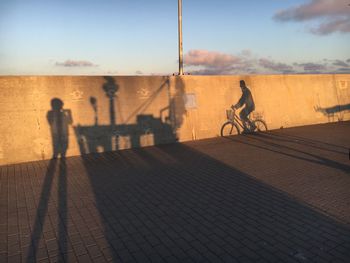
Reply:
x=282, y=196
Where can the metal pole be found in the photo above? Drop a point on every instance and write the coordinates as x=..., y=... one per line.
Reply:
x=181, y=72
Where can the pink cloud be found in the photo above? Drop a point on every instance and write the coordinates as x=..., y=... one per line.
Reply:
x=334, y=13
x=314, y=9
x=245, y=62
x=209, y=58
x=75, y=63
x=341, y=25
x=204, y=62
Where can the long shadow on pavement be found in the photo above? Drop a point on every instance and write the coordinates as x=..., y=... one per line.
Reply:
x=315, y=142
x=172, y=202
x=293, y=152
x=41, y=211
x=307, y=142
x=34, y=251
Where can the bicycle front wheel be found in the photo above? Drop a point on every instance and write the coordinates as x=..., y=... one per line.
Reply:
x=229, y=128
x=260, y=125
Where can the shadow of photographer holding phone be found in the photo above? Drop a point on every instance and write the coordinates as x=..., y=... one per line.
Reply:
x=59, y=120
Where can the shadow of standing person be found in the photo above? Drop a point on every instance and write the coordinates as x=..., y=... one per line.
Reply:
x=59, y=120
x=41, y=212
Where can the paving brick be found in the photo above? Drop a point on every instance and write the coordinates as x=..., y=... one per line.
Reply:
x=156, y=258
x=99, y=259
x=79, y=249
x=125, y=256
x=210, y=203
x=94, y=251
x=132, y=246
x=84, y=258
x=56, y=258
x=163, y=251
x=14, y=259
x=195, y=255
x=141, y=257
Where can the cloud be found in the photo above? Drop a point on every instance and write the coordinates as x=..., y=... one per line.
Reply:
x=343, y=70
x=245, y=62
x=208, y=71
x=75, y=63
x=340, y=63
x=138, y=72
x=112, y=72
x=275, y=66
x=313, y=67
x=205, y=62
x=341, y=25
x=335, y=15
x=209, y=58
x=314, y=9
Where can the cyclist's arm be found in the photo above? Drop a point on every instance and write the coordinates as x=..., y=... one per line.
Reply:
x=240, y=102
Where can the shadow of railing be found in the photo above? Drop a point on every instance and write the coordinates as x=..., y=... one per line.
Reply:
x=106, y=137
x=160, y=130
x=330, y=112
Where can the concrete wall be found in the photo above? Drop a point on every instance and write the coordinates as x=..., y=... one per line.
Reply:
x=111, y=113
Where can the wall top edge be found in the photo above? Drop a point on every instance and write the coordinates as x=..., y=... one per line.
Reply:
x=162, y=76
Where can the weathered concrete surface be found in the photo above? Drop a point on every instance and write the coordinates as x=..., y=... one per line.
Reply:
x=282, y=196
x=143, y=111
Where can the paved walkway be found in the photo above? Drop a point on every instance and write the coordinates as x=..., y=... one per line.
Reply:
x=283, y=196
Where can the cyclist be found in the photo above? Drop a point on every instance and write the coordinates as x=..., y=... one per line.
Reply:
x=247, y=100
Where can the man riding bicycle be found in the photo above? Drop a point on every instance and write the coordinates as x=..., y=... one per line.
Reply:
x=247, y=100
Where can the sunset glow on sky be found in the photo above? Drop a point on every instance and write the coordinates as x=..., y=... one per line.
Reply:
x=115, y=37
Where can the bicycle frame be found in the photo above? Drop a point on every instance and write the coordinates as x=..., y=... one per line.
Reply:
x=235, y=118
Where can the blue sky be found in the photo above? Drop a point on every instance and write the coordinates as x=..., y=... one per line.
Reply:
x=114, y=37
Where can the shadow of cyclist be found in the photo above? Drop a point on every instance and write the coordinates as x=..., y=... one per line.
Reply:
x=247, y=101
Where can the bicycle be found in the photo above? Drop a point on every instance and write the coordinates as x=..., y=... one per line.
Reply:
x=231, y=126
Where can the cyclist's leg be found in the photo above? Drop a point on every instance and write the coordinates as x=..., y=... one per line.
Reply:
x=244, y=117
x=248, y=125
x=251, y=124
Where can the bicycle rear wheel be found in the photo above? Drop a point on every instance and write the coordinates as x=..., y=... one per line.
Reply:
x=229, y=128
x=260, y=126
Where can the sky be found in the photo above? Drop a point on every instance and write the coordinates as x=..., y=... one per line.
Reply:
x=138, y=37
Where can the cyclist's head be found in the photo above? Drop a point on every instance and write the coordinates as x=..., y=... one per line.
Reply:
x=242, y=84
